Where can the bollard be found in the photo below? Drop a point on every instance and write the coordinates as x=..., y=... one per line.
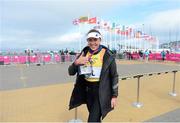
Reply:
x=137, y=104
x=173, y=93
x=75, y=120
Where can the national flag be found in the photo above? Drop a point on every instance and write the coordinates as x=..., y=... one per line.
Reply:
x=118, y=31
x=97, y=27
x=92, y=20
x=122, y=32
x=138, y=34
x=130, y=30
x=145, y=36
x=127, y=33
x=83, y=19
x=76, y=21
x=113, y=25
x=105, y=25
x=123, y=28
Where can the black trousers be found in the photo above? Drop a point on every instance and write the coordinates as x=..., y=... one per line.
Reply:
x=93, y=104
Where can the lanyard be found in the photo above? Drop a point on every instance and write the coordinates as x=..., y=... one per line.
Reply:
x=90, y=60
x=91, y=54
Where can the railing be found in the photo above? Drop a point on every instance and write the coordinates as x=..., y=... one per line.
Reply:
x=138, y=104
x=56, y=58
x=152, y=57
x=36, y=59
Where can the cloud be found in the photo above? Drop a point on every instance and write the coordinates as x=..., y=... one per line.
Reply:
x=48, y=23
x=23, y=40
x=163, y=24
x=65, y=38
x=164, y=20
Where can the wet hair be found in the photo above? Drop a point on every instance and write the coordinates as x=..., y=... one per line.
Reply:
x=93, y=30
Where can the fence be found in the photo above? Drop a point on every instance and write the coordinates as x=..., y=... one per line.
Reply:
x=56, y=58
x=36, y=59
x=153, y=56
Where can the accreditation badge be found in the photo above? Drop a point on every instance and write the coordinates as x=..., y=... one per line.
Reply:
x=85, y=70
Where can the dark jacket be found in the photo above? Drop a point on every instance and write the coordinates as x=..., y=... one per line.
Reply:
x=108, y=86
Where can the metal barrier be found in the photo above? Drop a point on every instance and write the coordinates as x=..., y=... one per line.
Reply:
x=75, y=120
x=173, y=93
x=36, y=59
x=174, y=57
x=138, y=104
x=45, y=58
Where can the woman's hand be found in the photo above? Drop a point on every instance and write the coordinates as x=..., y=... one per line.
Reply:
x=81, y=60
x=113, y=102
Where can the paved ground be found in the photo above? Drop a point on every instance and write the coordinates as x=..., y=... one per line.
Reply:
x=172, y=116
x=41, y=93
x=14, y=77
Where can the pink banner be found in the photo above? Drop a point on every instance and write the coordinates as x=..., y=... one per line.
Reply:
x=47, y=58
x=57, y=58
x=15, y=59
x=7, y=59
x=22, y=59
x=33, y=59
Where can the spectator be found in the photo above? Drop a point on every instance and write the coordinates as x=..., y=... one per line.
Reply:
x=146, y=53
x=163, y=55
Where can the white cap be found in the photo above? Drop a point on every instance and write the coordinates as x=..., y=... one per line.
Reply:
x=93, y=35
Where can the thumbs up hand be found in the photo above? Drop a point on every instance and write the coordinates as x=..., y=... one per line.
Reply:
x=81, y=60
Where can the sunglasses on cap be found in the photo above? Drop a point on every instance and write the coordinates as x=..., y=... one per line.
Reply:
x=92, y=39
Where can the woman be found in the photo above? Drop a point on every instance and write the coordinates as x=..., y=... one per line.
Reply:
x=97, y=78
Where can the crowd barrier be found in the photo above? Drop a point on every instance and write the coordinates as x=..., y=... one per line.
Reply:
x=56, y=58
x=36, y=59
x=157, y=56
x=137, y=103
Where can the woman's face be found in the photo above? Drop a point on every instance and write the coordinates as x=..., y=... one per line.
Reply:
x=94, y=43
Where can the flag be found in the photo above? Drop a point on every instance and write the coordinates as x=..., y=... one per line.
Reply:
x=152, y=39
x=145, y=36
x=127, y=33
x=92, y=20
x=76, y=21
x=83, y=19
x=138, y=34
x=113, y=25
x=97, y=27
x=118, y=31
x=123, y=28
x=122, y=32
x=105, y=25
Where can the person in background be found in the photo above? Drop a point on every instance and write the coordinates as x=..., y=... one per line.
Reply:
x=62, y=56
x=97, y=78
x=140, y=55
x=146, y=53
x=163, y=55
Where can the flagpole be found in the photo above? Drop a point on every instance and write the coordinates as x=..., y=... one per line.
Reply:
x=125, y=39
x=120, y=46
x=110, y=42
x=157, y=44
x=115, y=37
x=79, y=38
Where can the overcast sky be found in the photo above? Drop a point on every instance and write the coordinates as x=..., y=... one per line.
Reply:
x=47, y=24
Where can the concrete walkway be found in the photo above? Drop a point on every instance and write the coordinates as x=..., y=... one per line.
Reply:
x=172, y=116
